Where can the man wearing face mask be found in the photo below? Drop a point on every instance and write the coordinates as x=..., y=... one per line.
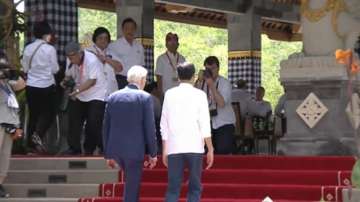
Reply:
x=166, y=74
x=9, y=119
x=218, y=90
x=127, y=50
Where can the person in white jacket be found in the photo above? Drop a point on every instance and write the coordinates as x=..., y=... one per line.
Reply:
x=185, y=127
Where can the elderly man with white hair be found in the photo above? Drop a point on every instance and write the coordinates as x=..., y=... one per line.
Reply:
x=129, y=131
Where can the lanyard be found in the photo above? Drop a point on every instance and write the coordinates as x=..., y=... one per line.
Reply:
x=208, y=92
x=170, y=61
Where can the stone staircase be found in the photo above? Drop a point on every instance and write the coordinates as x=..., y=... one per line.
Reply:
x=56, y=179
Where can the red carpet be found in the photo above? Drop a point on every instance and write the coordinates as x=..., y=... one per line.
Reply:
x=251, y=178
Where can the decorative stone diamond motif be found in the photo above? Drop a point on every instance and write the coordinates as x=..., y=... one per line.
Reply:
x=353, y=111
x=108, y=192
x=346, y=182
x=329, y=197
x=311, y=110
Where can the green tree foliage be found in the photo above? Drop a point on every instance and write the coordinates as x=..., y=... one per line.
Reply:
x=198, y=42
x=273, y=52
x=90, y=19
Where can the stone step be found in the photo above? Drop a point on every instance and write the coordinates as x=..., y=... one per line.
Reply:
x=39, y=200
x=58, y=163
x=62, y=176
x=52, y=190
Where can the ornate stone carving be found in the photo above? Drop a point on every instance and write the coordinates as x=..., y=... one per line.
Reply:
x=312, y=110
x=328, y=25
x=312, y=68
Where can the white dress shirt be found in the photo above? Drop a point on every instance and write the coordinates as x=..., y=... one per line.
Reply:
x=110, y=78
x=259, y=108
x=43, y=66
x=129, y=55
x=92, y=69
x=243, y=98
x=185, y=120
x=166, y=68
x=225, y=115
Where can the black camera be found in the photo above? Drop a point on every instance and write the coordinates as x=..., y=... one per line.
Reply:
x=7, y=73
x=69, y=84
x=213, y=112
x=207, y=73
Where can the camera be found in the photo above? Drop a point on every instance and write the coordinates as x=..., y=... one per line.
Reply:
x=207, y=73
x=7, y=73
x=213, y=112
x=69, y=84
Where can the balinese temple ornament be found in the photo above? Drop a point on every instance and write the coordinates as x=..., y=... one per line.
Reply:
x=312, y=110
x=315, y=15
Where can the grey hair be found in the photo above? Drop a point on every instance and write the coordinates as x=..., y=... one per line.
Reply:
x=136, y=73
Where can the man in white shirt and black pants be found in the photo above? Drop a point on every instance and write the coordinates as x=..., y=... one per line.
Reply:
x=166, y=74
x=127, y=50
x=185, y=127
x=87, y=102
x=219, y=90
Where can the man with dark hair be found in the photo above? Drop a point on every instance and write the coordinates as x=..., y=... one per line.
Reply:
x=41, y=64
x=187, y=106
x=166, y=74
x=127, y=50
x=152, y=89
x=218, y=90
x=259, y=107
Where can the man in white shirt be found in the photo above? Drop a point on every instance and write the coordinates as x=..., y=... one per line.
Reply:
x=127, y=50
x=185, y=106
x=218, y=90
x=259, y=107
x=166, y=75
x=87, y=103
x=240, y=99
x=41, y=64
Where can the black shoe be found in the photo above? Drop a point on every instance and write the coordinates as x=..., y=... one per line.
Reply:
x=71, y=152
x=3, y=194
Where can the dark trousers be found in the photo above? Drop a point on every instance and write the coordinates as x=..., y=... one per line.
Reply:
x=92, y=113
x=42, y=110
x=121, y=80
x=133, y=173
x=223, y=139
x=176, y=165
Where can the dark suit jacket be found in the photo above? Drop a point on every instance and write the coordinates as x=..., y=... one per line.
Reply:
x=129, y=125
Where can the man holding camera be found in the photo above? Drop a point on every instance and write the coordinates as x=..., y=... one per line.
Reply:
x=218, y=90
x=87, y=98
x=9, y=119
